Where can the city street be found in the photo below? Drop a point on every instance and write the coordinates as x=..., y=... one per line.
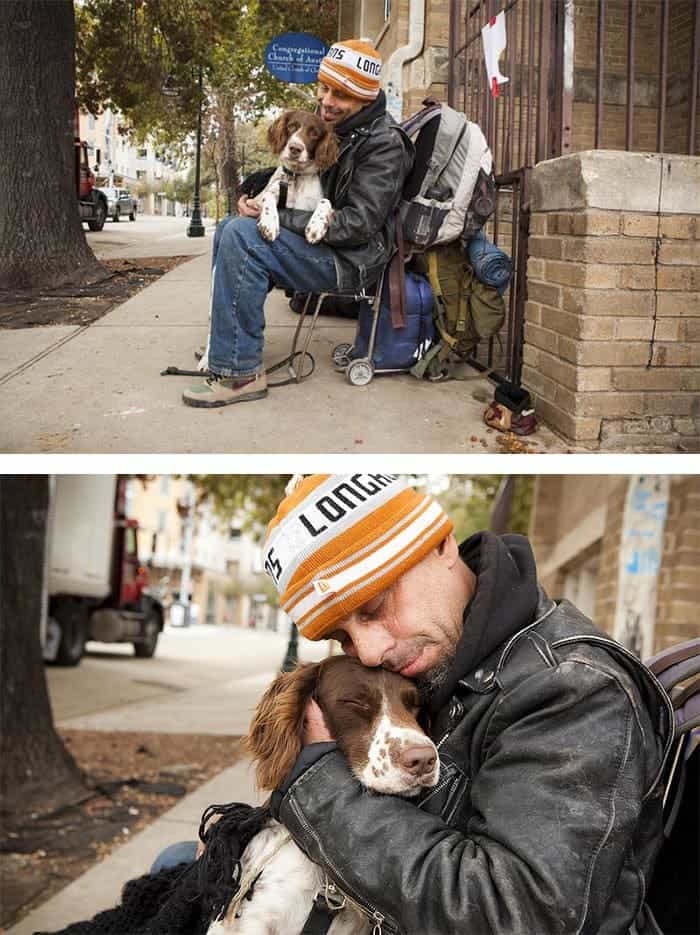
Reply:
x=202, y=679
x=148, y=235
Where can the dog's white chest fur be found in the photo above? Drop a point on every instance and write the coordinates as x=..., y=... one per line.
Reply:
x=284, y=892
x=304, y=193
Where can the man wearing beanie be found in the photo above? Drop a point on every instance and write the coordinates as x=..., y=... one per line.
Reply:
x=364, y=188
x=552, y=737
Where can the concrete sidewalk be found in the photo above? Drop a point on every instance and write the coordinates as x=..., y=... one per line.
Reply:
x=225, y=706
x=101, y=886
x=98, y=388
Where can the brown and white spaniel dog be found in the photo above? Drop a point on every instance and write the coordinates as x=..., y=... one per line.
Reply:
x=305, y=146
x=373, y=716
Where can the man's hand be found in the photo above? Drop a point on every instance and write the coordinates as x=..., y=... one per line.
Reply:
x=315, y=730
x=247, y=208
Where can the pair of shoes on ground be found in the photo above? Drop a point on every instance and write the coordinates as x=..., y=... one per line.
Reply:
x=217, y=391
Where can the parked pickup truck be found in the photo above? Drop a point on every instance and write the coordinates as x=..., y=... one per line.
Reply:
x=120, y=203
x=97, y=586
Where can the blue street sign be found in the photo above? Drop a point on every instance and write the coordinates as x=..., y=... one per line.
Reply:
x=294, y=57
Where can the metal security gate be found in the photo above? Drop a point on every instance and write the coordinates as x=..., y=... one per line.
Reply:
x=516, y=125
x=532, y=118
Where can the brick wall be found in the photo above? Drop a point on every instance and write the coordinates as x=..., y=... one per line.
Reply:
x=678, y=592
x=608, y=565
x=647, y=75
x=612, y=334
x=679, y=583
x=563, y=504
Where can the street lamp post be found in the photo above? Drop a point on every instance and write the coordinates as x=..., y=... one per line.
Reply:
x=292, y=655
x=196, y=228
x=170, y=89
x=185, y=508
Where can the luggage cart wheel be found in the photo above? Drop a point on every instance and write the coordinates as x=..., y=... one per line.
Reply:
x=360, y=372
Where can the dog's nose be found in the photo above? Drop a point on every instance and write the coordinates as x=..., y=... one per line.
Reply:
x=418, y=760
x=295, y=150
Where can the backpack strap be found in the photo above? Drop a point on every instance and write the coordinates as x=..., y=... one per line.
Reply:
x=397, y=280
x=417, y=121
x=666, y=660
x=440, y=305
x=674, y=668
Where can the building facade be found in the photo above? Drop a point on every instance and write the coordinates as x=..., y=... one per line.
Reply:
x=625, y=550
x=227, y=582
x=144, y=169
x=595, y=139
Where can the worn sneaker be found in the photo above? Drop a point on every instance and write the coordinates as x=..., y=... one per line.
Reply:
x=223, y=391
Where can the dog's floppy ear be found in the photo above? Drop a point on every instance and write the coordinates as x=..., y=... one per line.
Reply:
x=326, y=153
x=276, y=732
x=277, y=134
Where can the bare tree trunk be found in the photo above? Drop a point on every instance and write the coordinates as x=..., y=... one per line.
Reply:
x=211, y=151
x=42, y=242
x=228, y=164
x=37, y=772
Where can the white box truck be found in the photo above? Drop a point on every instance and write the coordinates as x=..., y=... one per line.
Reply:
x=97, y=588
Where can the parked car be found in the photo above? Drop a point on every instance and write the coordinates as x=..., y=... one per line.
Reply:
x=120, y=202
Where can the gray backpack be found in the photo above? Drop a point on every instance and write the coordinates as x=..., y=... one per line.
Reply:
x=450, y=191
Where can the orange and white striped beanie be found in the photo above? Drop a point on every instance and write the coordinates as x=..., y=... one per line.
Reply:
x=352, y=66
x=337, y=540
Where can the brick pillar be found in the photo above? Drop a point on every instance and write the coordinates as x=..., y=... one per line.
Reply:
x=679, y=582
x=612, y=333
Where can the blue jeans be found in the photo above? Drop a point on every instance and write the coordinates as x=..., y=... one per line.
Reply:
x=243, y=265
x=174, y=854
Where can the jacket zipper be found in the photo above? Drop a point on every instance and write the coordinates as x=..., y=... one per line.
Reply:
x=443, y=739
x=365, y=908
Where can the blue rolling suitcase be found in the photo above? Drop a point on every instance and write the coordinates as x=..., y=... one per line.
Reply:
x=393, y=349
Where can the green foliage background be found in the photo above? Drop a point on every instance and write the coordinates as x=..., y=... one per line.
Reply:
x=126, y=48
x=468, y=499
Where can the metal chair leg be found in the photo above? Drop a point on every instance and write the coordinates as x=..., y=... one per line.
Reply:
x=376, y=309
x=297, y=375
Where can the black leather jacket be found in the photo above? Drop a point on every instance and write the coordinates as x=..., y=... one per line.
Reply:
x=364, y=187
x=547, y=815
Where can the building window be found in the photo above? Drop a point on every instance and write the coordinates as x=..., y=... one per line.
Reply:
x=141, y=174
x=165, y=485
x=162, y=520
x=142, y=153
x=373, y=17
x=91, y=122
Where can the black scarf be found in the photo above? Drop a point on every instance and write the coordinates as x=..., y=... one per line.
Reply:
x=183, y=900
